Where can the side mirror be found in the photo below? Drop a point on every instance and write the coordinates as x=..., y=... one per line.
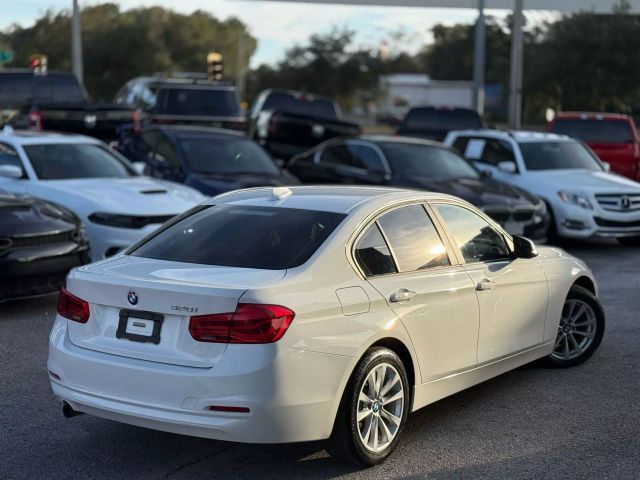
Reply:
x=139, y=167
x=606, y=166
x=507, y=167
x=10, y=171
x=524, y=248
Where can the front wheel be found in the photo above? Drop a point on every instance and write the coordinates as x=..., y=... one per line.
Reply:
x=580, y=330
x=629, y=241
x=373, y=410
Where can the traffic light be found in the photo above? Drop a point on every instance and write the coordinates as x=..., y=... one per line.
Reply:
x=215, y=66
x=39, y=63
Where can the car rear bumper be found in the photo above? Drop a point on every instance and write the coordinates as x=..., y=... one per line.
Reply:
x=285, y=402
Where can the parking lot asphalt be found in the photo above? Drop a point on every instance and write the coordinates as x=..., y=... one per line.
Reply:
x=533, y=422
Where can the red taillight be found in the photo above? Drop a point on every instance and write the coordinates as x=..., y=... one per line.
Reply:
x=34, y=120
x=250, y=323
x=72, y=307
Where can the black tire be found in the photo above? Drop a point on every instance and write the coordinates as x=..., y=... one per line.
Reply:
x=581, y=294
x=629, y=241
x=345, y=442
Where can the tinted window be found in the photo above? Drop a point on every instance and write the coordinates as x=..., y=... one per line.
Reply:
x=166, y=152
x=491, y=151
x=211, y=155
x=441, y=119
x=368, y=157
x=301, y=104
x=197, y=101
x=558, y=155
x=413, y=159
x=413, y=239
x=341, y=155
x=22, y=88
x=237, y=236
x=64, y=161
x=477, y=240
x=594, y=130
x=372, y=253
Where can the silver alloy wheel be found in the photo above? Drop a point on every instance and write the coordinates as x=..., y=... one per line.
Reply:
x=576, y=331
x=380, y=407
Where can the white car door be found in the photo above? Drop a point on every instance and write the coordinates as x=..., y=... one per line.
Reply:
x=403, y=256
x=512, y=293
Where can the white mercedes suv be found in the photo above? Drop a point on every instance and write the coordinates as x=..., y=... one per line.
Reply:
x=584, y=199
x=288, y=315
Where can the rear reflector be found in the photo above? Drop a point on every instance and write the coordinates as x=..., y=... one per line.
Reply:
x=221, y=408
x=72, y=307
x=250, y=323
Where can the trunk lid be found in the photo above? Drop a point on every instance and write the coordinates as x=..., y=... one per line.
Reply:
x=175, y=291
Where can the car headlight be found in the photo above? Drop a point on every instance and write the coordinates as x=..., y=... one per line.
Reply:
x=127, y=221
x=579, y=199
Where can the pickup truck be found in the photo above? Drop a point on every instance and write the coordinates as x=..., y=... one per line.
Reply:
x=287, y=123
x=612, y=136
x=57, y=101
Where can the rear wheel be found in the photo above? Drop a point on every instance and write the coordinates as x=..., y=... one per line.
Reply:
x=629, y=241
x=580, y=330
x=373, y=410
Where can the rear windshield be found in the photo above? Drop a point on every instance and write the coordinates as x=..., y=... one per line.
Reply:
x=442, y=119
x=302, y=105
x=594, y=130
x=24, y=88
x=197, y=101
x=242, y=236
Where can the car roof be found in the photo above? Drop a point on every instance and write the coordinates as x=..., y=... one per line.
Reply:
x=30, y=137
x=524, y=136
x=591, y=115
x=399, y=139
x=328, y=198
x=196, y=130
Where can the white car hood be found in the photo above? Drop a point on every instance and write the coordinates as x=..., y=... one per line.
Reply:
x=138, y=195
x=585, y=180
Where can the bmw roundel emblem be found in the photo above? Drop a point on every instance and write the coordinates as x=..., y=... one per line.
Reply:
x=132, y=297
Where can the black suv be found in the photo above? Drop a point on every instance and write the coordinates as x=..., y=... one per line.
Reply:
x=187, y=99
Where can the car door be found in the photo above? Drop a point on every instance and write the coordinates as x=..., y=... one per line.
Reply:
x=404, y=257
x=512, y=293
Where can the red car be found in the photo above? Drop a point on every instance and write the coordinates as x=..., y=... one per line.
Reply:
x=613, y=137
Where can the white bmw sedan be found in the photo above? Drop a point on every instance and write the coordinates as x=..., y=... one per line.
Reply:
x=309, y=313
x=117, y=206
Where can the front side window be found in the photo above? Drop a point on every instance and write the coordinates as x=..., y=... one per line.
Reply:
x=63, y=161
x=341, y=155
x=368, y=157
x=225, y=235
x=414, y=239
x=475, y=237
x=166, y=153
x=557, y=155
x=372, y=253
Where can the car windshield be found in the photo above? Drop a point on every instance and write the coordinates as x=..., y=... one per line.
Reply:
x=219, y=156
x=558, y=155
x=269, y=238
x=63, y=161
x=416, y=160
x=301, y=104
x=442, y=119
x=594, y=130
x=197, y=101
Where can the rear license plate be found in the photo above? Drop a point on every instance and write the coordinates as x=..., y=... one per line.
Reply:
x=139, y=326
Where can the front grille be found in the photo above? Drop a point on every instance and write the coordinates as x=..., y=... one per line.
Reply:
x=523, y=215
x=619, y=202
x=615, y=223
x=38, y=240
x=500, y=215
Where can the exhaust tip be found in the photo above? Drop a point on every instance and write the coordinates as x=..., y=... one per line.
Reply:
x=68, y=411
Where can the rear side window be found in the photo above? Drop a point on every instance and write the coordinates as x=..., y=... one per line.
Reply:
x=373, y=255
x=594, y=130
x=242, y=236
x=414, y=239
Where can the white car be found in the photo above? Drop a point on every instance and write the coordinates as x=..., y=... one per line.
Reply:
x=117, y=206
x=308, y=313
x=584, y=199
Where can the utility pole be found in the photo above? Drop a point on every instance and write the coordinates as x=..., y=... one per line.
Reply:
x=240, y=66
x=515, y=81
x=479, y=54
x=76, y=44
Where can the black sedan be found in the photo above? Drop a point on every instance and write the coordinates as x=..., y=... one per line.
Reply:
x=210, y=160
x=39, y=243
x=423, y=165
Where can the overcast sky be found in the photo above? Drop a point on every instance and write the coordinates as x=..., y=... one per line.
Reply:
x=279, y=25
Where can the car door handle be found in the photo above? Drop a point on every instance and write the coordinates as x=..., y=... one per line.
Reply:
x=402, y=295
x=485, y=284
